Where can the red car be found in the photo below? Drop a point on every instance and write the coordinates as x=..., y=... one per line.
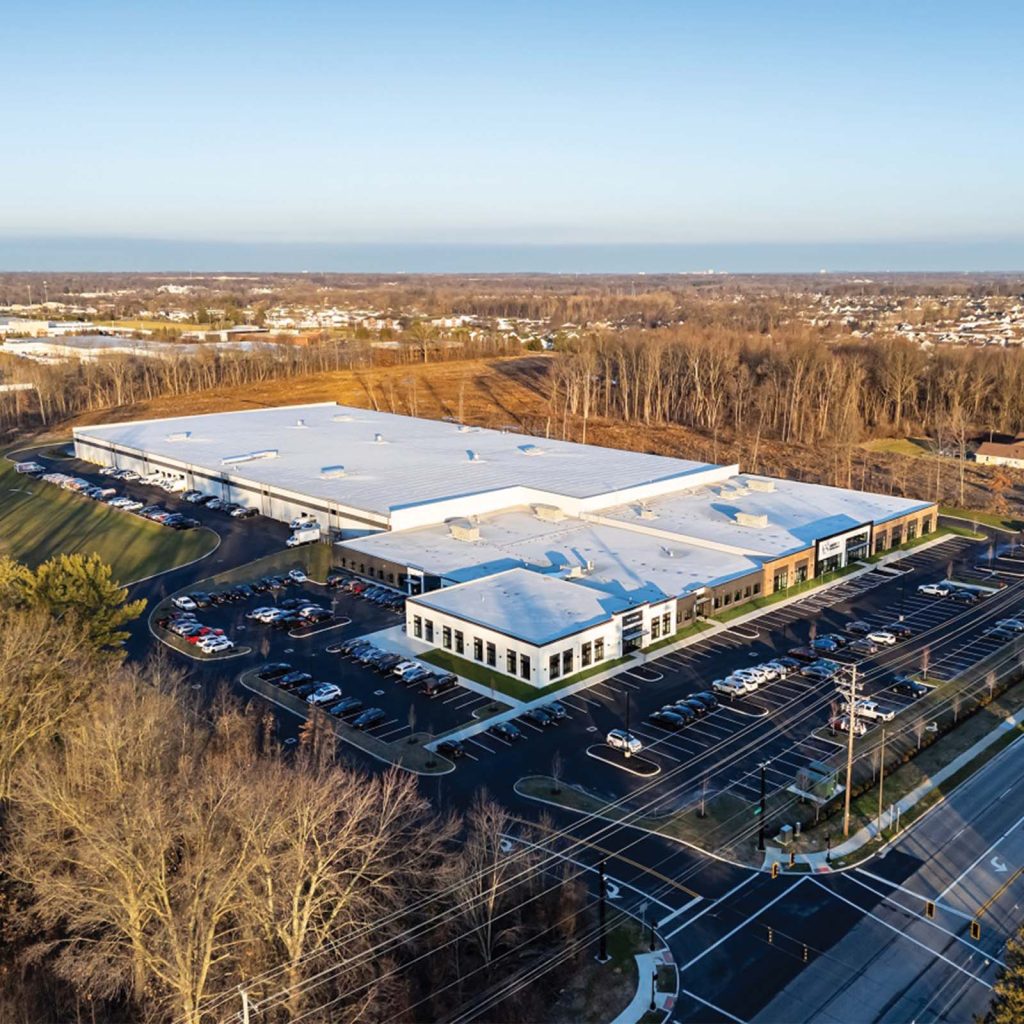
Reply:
x=195, y=635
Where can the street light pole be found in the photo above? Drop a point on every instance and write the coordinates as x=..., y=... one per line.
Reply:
x=881, y=780
x=602, y=954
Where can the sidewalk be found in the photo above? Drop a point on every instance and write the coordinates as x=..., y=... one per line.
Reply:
x=817, y=861
x=647, y=965
x=395, y=639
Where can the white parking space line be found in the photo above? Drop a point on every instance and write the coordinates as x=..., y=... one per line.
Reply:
x=474, y=740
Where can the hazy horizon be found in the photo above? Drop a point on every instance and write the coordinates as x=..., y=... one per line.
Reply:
x=83, y=255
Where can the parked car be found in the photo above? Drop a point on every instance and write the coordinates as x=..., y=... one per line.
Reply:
x=1012, y=625
x=244, y=513
x=863, y=646
x=386, y=664
x=732, y=687
x=215, y=644
x=804, y=654
x=293, y=679
x=184, y=602
x=964, y=597
x=451, y=749
x=305, y=690
x=539, y=717
x=297, y=576
x=874, y=711
x=666, y=718
x=934, y=590
x=416, y=676
x=505, y=731
x=909, y=688
x=882, y=637
x=619, y=739
x=346, y=706
x=899, y=630
x=558, y=710
x=697, y=707
x=273, y=670
x=828, y=644
x=709, y=700
x=369, y=717
x=326, y=693
x=858, y=627
x=440, y=682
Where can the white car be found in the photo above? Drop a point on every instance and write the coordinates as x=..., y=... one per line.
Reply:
x=214, y=644
x=132, y=506
x=298, y=575
x=869, y=709
x=882, y=637
x=108, y=470
x=185, y=603
x=934, y=590
x=324, y=694
x=268, y=615
x=734, y=687
x=118, y=502
x=127, y=474
x=405, y=666
x=754, y=674
x=619, y=739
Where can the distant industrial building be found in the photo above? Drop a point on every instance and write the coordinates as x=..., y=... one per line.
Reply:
x=534, y=557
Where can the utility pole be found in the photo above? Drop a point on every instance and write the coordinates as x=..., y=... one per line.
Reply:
x=602, y=955
x=851, y=724
x=761, y=810
x=881, y=780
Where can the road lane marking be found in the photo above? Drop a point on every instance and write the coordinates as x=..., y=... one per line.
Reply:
x=711, y=1006
x=963, y=874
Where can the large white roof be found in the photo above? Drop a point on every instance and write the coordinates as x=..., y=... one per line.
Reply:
x=632, y=566
x=527, y=605
x=390, y=462
x=797, y=514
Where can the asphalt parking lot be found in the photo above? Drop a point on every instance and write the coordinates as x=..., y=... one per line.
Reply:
x=783, y=722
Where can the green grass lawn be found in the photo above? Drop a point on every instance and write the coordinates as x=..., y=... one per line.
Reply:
x=914, y=447
x=506, y=684
x=987, y=518
x=39, y=520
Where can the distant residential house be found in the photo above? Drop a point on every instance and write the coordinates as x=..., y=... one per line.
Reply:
x=994, y=453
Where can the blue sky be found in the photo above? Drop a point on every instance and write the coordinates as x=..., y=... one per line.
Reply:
x=509, y=124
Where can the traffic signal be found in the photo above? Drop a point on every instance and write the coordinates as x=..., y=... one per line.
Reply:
x=975, y=930
x=771, y=935
x=775, y=870
x=929, y=908
x=807, y=954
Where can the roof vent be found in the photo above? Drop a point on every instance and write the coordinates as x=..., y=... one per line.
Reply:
x=764, y=486
x=464, y=530
x=181, y=435
x=268, y=453
x=757, y=522
x=342, y=417
x=332, y=472
x=667, y=552
x=531, y=449
x=378, y=438
x=472, y=455
x=548, y=513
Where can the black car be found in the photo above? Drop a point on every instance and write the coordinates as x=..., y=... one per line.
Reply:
x=667, y=719
x=899, y=630
x=387, y=663
x=804, y=654
x=291, y=620
x=201, y=599
x=218, y=597
x=315, y=615
x=260, y=586
x=829, y=643
x=505, y=731
x=244, y=591
x=367, y=718
x=335, y=579
x=291, y=679
x=273, y=670
x=306, y=690
x=539, y=716
x=696, y=706
x=859, y=627
x=683, y=710
x=909, y=687
x=442, y=682
x=451, y=748
x=790, y=663
x=347, y=706
x=964, y=597
x=556, y=709
x=709, y=700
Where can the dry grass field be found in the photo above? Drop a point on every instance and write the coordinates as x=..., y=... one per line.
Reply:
x=514, y=394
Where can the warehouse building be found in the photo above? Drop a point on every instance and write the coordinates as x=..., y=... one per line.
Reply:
x=533, y=557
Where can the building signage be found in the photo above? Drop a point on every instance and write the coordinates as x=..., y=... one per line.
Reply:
x=836, y=547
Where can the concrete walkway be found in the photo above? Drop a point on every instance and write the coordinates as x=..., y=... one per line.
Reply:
x=647, y=965
x=395, y=639
x=818, y=861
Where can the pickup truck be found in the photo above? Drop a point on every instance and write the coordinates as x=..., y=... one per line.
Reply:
x=874, y=711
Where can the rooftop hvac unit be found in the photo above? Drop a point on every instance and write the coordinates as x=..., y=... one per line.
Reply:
x=268, y=453
x=530, y=449
x=762, y=486
x=378, y=438
x=549, y=513
x=300, y=423
x=342, y=417
x=472, y=455
x=181, y=435
x=332, y=472
x=758, y=522
x=464, y=530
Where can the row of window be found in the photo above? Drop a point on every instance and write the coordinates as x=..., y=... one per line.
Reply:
x=372, y=572
x=661, y=626
x=591, y=653
x=485, y=652
x=751, y=590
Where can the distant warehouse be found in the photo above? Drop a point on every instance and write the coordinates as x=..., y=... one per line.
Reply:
x=537, y=558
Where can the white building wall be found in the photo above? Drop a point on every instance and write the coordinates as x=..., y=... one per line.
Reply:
x=540, y=670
